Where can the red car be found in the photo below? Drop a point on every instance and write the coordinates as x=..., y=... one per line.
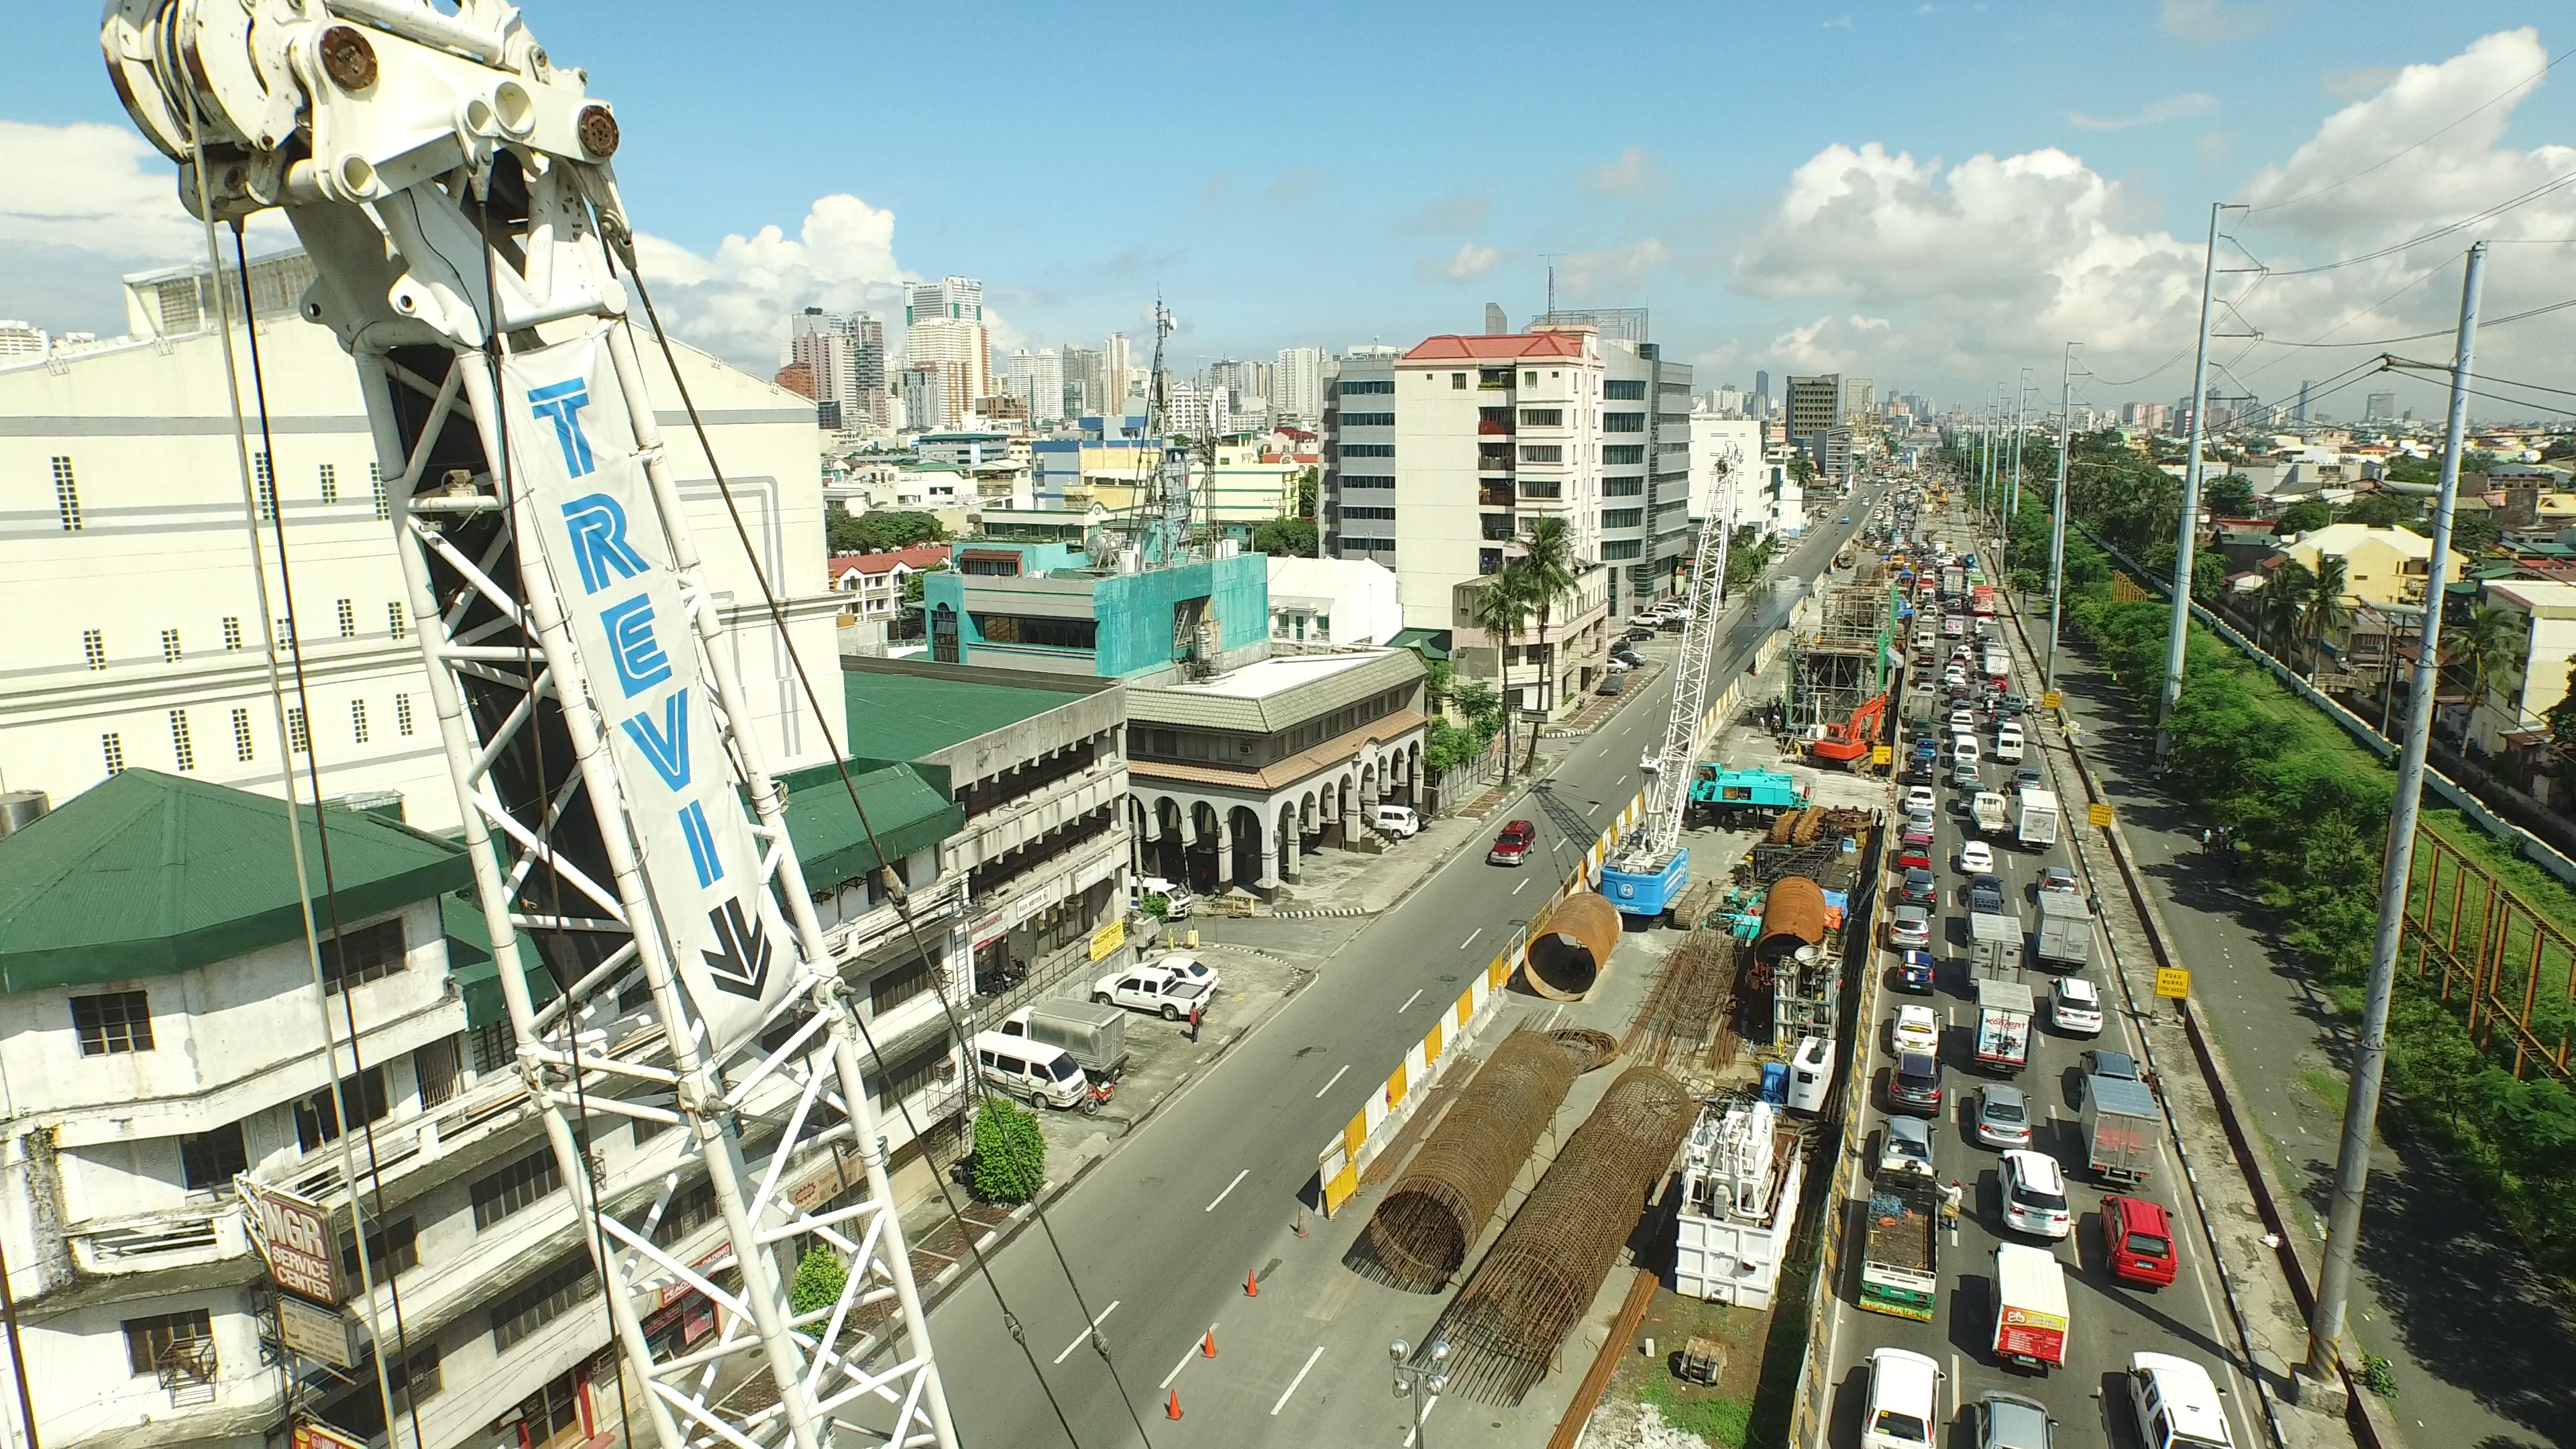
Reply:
x=1912, y=854
x=1512, y=846
x=2137, y=1236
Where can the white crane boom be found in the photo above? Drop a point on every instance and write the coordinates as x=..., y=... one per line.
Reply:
x=452, y=187
x=1659, y=829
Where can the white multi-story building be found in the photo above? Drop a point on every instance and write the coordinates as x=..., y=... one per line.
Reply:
x=1117, y=372
x=1715, y=438
x=21, y=339
x=1039, y=377
x=944, y=331
x=845, y=352
x=1332, y=603
x=1297, y=386
x=140, y=633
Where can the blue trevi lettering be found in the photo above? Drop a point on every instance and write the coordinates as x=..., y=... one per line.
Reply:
x=597, y=524
x=666, y=743
x=561, y=403
x=641, y=664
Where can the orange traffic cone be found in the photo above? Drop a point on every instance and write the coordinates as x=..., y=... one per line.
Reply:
x=1207, y=1345
x=1172, y=1410
x=1251, y=1285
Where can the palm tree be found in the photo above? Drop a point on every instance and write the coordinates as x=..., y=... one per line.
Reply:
x=2326, y=611
x=1546, y=565
x=2491, y=646
x=1500, y=608
x=2276, y=608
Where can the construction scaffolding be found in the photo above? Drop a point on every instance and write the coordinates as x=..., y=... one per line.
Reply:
x=1844, y=663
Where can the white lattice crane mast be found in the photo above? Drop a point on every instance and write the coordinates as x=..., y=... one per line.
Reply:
x=1650, y=870
x=452, y=187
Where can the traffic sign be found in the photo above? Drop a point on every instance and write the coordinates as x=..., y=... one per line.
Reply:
x=2173, y=982
x=2050, y=699
x=1882, y=754
x=2097, y=814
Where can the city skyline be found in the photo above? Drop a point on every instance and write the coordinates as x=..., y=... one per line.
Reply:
x=1871, y=242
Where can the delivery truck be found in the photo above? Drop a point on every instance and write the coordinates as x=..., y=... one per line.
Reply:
x=2030, y=1307
x=2121, y=1129
x=1994, y=945
x=1897, y=1272
x=1094, y=1034
x=1998, y=666
x=2037, y=826
x=2003, y=1026
x=2065, y=929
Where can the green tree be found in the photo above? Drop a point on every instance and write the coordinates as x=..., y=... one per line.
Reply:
x=2381, y=510
x=1439, y=677
x=1546, y=567
x=1285, y=538
x=878, y=532
x=2490, y=647
x=2229, y=495
x=1480, y=706
x=2305, y=517
x=819, y=1277
x=2276, y=608
x=1010, y=1153
x=1501, y=608
x=2472, y=534
x=2326, y=612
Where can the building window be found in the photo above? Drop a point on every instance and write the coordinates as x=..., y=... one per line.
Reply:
x=1542, y=453
x=402, y=714
x=893, y=988
x=1373, y=480
x=1623, y=487
x=1529, y=379
x=232, y=634
x=318, y=1119
x=392, y=1251
x=169, y=646
x=1535, y=488
x=395, y=623
x=264, y=486
x=1623, y=422
x=286, y=634
x=520, y=1184
x=330, y=484
x=539, y=1302
x=172, y=1341
x=348, y=619
x=113, y=1022
x=368, y=953
x=1616, y=453
x=1489, y=561
x=242, y=748
x=181, y=750
x=1368, y=420
x=1458, y=382
x=1619, y=549
x=66, y=496
x=1623, y=518
x=1368, y=450
x=913, y=1075
x=94, y=648
x=1046, y=633
x=298, y=739
x=1373, y=386
x=358, y=719
x=209, y=1161
x=1383, y=515
x=1542, y=417
x=112, y=751
x=690, y=1208
x=1624, y=390
x=376, y=483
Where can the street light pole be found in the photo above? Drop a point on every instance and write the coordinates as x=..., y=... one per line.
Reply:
x=2057, y=516
x=2180, y=628
x=2361, y=1109
x=1422, y=1383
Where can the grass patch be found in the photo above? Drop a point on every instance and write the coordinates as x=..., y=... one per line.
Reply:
x=2334, y=1091
x=1710, y=1415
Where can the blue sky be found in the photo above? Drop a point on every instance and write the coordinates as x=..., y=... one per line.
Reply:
x=1332, y=174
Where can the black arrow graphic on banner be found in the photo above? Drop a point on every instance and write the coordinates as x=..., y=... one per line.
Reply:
x=742, y=967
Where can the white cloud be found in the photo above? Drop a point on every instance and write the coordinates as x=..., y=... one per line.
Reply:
x=1471, y=261
x=2214, y=22
x=1839, y=22
x=735, y=302
x=1615, y=275
x=1985, y=264
x=2356, y=82
x=1633, y=171
x=2189, y=103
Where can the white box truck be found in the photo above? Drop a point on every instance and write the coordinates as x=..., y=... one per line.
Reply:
x=2037, y=824
x=2065, y=929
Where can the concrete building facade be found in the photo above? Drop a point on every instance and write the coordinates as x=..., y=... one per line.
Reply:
x=1321, y=603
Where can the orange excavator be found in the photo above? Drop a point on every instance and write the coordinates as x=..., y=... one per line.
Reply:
x=1852, y=739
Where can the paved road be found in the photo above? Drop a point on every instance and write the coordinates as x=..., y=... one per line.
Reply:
x=1206, y=1190
x=2108, y=1321
x=2486, y=1368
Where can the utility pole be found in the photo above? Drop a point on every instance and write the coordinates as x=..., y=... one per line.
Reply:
x=2180, y=628
x=2012, y=485
x=2361, y=1109
x=2057, y=516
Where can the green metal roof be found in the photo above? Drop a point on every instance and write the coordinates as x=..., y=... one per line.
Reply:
x=476, y=974
x=908, y=716
x=149, y=874
x=908, y=808
x=1429, y=643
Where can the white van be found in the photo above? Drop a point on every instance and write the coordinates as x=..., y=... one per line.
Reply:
x=1033, y=1071
x=1176, y=897
x=1963, y=750
x=1398, y=821
x=2008, y=743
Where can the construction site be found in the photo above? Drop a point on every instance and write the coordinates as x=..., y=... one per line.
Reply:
x=1836, y=696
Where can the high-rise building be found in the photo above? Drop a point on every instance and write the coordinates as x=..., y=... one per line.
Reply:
x=1610, y=324
x=844, y=352
x=2380, y=407
x=20, y=339
x=944, y=329
x=1037, y=378
x=1297, y=386
x=1086, y=391
x=1860, y=397
x=1117, y=374
x=925, y=398
x=2299, y=413
x=1815, y=405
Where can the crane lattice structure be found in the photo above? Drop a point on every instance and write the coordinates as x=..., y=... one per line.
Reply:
x=1658, y=832
x=452, y=186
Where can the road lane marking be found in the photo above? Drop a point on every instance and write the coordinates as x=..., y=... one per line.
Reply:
x=1516, y=890
x=1471, y=938
x=1084, y=1337
x=1186, y=1355
x=1229, y=1188
x=1310, y=1368
x=1328, y=1086
x=1428, y=1405
x=1408, y=1003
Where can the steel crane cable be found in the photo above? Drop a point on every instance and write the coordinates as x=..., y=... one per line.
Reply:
x=621, y=249
x=340, y=1092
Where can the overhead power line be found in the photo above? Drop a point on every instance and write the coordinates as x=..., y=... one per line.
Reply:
x=2490, y=102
